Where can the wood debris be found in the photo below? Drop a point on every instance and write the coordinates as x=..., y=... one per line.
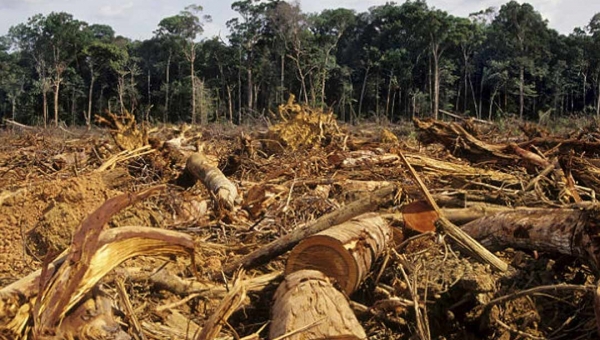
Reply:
x=318, y=231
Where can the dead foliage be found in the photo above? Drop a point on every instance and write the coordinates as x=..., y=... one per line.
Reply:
x=185, y=232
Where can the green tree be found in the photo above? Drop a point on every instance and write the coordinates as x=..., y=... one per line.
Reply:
x=12, y=76
x=521, y=34
x=183, y=29
x=53, y=41
x=594, y=48
x=441, y=30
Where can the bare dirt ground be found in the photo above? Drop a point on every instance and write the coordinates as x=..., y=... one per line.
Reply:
x=424, y=285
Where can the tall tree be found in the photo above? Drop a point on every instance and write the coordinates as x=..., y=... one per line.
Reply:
x=521, y=33
x=328, y=27
x=246, y=33
x=594, y=47
x=184, y=28
x=440, y=28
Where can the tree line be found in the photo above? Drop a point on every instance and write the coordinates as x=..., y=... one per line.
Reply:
x=392, y=62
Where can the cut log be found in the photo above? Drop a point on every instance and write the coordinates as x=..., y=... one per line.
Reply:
x=564, y=231
x=344, y=252
x=307, y=306
x=213, y=179
x=287, y=242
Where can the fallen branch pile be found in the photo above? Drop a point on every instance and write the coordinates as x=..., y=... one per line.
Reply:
x=306, y=230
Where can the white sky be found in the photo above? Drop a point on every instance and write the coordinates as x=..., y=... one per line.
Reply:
x=137, y=19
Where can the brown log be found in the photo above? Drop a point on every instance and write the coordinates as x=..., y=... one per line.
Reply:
x=307, y=306
x=456, y=139
x=213, y=179
x=287, y=242
x=344, y=252
x=565, y=231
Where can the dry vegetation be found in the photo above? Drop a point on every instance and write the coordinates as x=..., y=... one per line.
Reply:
x=185, y=233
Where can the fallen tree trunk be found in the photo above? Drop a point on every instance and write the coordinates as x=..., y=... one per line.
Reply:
x=456, y=139
x=344, y=252
x=213, y=179
x=287, y=242
x=565, y=231
x=307, y=306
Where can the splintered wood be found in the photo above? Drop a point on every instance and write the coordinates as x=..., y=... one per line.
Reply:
x=318, y=231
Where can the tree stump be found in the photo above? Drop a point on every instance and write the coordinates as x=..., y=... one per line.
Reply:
x=344, y=252
x=307, y=306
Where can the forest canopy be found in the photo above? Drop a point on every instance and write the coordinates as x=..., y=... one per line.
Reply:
x=393, y=62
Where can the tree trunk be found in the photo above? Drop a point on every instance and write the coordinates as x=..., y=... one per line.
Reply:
x=521, y=91
x=239, y=86
x=344, y=252
x=393, y=106
x=121, y=90
x=167, y=83
x=282, y=80
x=88, y=116
x=324, y=75
x=13, y=103
x=466, y=59
x=492, y=104
x=73, y=106
x=56, y=91
x=598, y=102
x=201, y=108
x=224, y=191
x=436, y=83
x=285, y=243
x=387, y=98
x=250, y=90
x=583, y=93
x=478, y=109
x=362, y=91
x=302, y=77
x=306, y=300
x=229, y=103
x=377, y=96
x=193, y=78
x=564, y=231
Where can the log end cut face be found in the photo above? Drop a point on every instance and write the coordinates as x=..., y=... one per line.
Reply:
x=327, y=255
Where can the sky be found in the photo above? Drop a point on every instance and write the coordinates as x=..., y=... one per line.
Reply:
x=137, y=19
